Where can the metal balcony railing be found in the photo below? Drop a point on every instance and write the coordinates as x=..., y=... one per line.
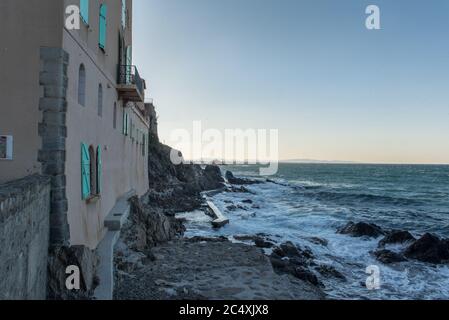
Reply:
x=129, y=75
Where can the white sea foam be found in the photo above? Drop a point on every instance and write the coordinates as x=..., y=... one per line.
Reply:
x=277, y=210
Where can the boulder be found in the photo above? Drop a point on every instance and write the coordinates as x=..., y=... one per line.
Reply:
x=290, y=250
x=429, y=248
x=306, y=275
x=361, y=229
x=330, y=271
x=396, y=236
x=59, y=258
x=261, y=243
x=387, y=256
x=239, y=181
x=248, y=201
x=319, y=241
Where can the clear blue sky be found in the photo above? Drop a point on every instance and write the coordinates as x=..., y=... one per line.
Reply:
x=310, y=68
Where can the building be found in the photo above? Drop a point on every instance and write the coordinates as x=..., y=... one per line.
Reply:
x=73, y=109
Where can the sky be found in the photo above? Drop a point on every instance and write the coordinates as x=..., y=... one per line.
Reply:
x=333, y=89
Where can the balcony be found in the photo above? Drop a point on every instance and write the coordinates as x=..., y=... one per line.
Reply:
x=130, y=86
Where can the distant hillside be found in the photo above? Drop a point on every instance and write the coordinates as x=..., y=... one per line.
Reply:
x=315, y=161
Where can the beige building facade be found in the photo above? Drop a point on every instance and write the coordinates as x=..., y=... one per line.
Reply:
x=79, y=114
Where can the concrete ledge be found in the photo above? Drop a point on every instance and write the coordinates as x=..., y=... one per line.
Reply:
x=221, y=219
x=118, y=215
x=105, y=272
x=105, y=250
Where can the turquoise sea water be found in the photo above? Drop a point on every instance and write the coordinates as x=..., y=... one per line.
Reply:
x=311, y=200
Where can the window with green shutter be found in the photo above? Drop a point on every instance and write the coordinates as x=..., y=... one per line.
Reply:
x=144, y=143
x=124, y=14
x=85, y=172
x=125, y=123
x=84, y=11
x=99, y=170
x=103, y=26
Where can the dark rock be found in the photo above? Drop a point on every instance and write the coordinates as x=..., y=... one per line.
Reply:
x=207, y=239
x=240, y=189
x=387, y=256
x=396, y=236
x=261, y=243
x=248, y=201
x=279, y=252
x=299, y=261
x=319, y=241
x=245, y=238
x=330, y=271
x=306, y=275
x=152, y=227
x=290, y=250
x=429, y=248
x=361, y=229
x=239, y=181
x=280, y=265
x=60, y=257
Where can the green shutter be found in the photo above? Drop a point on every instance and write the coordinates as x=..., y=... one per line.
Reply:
x=127, y=125
x=124, y=123
x=124, y=14
x=84, y=10
x=85, y=172
x=144, y=143
x=103, y=24
x=99, y=170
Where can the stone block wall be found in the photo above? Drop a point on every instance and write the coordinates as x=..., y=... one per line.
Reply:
x=53, y=131
x=24, y=238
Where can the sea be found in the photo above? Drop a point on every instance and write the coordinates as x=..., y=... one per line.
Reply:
x=303, y=201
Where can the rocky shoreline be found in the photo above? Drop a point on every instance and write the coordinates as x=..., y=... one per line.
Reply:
x=154, y=261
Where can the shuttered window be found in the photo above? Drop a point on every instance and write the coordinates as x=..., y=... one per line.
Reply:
x=124, y=14
x=85, y=172
x=99, y=170
x=144, y=144
x=125, y=123
x=100, y=100
x=103, y=25
x=82, y=85
x=84, y=10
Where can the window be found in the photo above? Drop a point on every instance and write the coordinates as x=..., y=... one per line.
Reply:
x=144, y=144
x=125, y=123
x=100, y=100
x=114, y=120
x=82, y=85
x=103, y=24
x=91, y=171
x=99, y=170
x=124, y=14
x=84, y=11
x=85, y=172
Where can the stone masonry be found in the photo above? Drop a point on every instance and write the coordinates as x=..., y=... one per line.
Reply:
x=53, y=131
x=24, y=236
